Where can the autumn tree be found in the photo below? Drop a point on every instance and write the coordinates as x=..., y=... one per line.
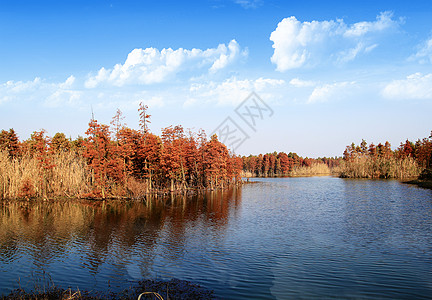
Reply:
x=215, y=162
x=285, y=163
x=173, y=162
x=39, y=145
x=9, y=142
x=59, y=143
x=105, y=165
x=117, y=123
x=149, y=155
x=144, y=117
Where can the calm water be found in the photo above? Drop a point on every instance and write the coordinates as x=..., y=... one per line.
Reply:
x=277, y=239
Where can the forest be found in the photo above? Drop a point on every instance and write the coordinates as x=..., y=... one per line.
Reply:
x=114, y=162
x=409, y=160
x=281, y=164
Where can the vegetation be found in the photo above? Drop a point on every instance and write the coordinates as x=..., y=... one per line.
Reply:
x=409, y=160
x=282, y=164
x=119, y=162
x=146, y=289
x=113, y=161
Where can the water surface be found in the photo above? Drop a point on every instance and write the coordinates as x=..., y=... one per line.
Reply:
x=279, y=238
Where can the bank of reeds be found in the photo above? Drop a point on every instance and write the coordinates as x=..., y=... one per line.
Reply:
x=316, y=169
x=23, y=177
x=379, y=167
x=68, y=176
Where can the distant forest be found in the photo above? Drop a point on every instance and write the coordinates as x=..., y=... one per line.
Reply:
x=409, y=160
x=282, y=164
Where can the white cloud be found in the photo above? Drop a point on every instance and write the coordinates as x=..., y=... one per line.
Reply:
x=351, y=54
x=39, y=90
x=61, y=97
x=297, y=44
x=424, y=54
x=148, y=66
x=16, y=87
x=231, y=91
x=12, y=90
x=383, y=22
x=227, y=55
x=249, y=3
x=415, y=86
x=128, y=100
x=302, y=83
x=68, y=83
x=326, y=92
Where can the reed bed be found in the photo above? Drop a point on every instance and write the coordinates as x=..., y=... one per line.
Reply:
x=24, y=178
x=368, y=167
x=315, y=169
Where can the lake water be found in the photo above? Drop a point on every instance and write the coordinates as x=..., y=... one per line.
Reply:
x=284, y=238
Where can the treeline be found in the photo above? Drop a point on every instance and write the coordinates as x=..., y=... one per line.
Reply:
x=380, y=161
x=114, y=161
x=282, y=164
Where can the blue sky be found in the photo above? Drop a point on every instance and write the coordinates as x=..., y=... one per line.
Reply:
x=333, y=72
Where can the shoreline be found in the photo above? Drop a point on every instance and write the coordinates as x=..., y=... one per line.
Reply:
x=426, y=184
x=150, y=195
x=160, y=289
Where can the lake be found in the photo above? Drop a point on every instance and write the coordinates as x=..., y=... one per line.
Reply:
x=278, y=238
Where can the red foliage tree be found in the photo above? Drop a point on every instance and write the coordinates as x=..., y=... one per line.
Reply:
x=286, y=163
x=59, y=143
x=102, y=158
x=215, y=162
x=9, y=142
x=172, y=156
x=38, y=146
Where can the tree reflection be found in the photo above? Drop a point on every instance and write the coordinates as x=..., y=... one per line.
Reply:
x=117, y=235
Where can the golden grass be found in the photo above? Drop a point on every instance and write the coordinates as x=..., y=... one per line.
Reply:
x=246, y=174
x=367, y=167
x=23, y=177
x=315, y=169
x=70, y=176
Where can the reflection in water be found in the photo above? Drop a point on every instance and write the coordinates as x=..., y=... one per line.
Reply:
x=113, y=241
x=283, y=238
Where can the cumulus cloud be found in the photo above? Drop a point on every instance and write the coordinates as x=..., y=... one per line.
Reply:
x=424, y=54
x=38, y=89
x=415, y=86
x=297, y=44
x=12, y=90
x=326, y=92
x=68, y=83
x=232, y=91
x=150, y=65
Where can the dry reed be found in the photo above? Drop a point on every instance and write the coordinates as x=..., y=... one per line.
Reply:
x=315, y=169
x=368, y=167
x=23, y=177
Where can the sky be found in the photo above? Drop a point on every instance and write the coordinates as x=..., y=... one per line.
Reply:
x=323, y=74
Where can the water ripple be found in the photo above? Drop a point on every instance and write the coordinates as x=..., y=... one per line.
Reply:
x=285, y=238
